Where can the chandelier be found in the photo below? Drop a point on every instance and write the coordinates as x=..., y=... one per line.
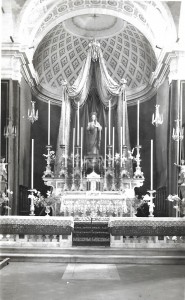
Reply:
x=32, y=115
x=157, y=118
x=9, y=130
x=178, y=132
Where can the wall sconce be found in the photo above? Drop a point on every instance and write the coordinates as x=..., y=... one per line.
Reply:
x=157, y=118
x=32, y=115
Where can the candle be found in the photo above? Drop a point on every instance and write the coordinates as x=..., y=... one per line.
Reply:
x=121, y=143
x=113, y=147
x=105, y=145
x=73, y=147
x=124, y=120
x=65, y=157
x=109, y=121
x=63, y=125
x=81, y=145
x=137, y=123
x=151, y=165
x=32, y=162
x=49, y=122
x=78, y=125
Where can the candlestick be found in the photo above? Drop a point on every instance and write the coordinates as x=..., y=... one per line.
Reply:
x=32, y=162
x=124, y=108
x=109, y=121
x=49, y=122
x=78, y=128
x=105, y=145
x=113, y=147
x=81, y=145
x=138, y=123
x=151, y=165
x=121, y=143
x=73, y=147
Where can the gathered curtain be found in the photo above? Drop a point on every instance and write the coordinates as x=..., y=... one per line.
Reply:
x=94, y=87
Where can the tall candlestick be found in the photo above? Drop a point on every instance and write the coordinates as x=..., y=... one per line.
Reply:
x=113, y=147
x=109, y=122
x=32, y=162
x=81, y=145
x=73, y=147
x=151, y=165
x=105, y=145
x=78, y=122
x=121, y=144
x=124, y=108
x=138, y=123
x=49, y=122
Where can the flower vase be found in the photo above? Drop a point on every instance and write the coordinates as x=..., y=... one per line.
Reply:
x=47, y=211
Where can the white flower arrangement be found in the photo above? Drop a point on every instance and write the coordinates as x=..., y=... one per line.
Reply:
x=173, y=198
x=40, y=200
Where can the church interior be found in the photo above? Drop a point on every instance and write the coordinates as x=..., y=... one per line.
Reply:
x=92, y=146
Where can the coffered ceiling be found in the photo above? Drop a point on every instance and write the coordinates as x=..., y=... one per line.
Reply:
x=126, y=51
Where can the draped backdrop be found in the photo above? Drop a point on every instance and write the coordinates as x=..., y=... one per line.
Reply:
x=92, y=91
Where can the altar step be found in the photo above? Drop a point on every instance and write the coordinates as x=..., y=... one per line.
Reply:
x=91, y=234
x=94, y=255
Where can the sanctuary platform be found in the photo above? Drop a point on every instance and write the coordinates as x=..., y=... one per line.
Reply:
x=132, y=240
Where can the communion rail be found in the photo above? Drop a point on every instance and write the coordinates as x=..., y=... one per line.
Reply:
x=28, y=231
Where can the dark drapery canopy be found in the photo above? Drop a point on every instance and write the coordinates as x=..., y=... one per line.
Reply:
x=93, y=90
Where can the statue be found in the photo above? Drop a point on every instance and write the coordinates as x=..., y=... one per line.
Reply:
x=94, y=135
x=182, y=172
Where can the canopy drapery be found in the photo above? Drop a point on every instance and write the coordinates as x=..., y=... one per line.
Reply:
x=111, y=95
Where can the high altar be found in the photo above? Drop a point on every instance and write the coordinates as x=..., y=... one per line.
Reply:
x=93, y=174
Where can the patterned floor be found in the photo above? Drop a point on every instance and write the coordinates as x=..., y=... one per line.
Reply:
x=91, y=272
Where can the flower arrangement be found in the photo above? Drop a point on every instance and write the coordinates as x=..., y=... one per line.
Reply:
x=179, y=203
x=40, y=200
x=173, y=198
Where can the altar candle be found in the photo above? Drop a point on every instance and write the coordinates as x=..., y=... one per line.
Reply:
x=113, y=146
x=78, y=128
x=81, y=144
x=109, y=121
x=121, y=144
x=105, y=144
x=49, y=122
x=138, y=123
x=124, y=120
x=65, y=157
x=73, y=147
x=63, y=113
x=32, y=162
x=151, y=165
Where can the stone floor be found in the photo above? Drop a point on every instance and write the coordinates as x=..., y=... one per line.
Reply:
x=53, y=281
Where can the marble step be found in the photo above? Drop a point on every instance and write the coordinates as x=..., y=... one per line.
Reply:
x=92, y=250
x=105, y=259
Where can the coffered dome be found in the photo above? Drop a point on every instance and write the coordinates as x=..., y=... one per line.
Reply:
x=61, y=53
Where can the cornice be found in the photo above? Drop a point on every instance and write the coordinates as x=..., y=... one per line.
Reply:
x=24, y=68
